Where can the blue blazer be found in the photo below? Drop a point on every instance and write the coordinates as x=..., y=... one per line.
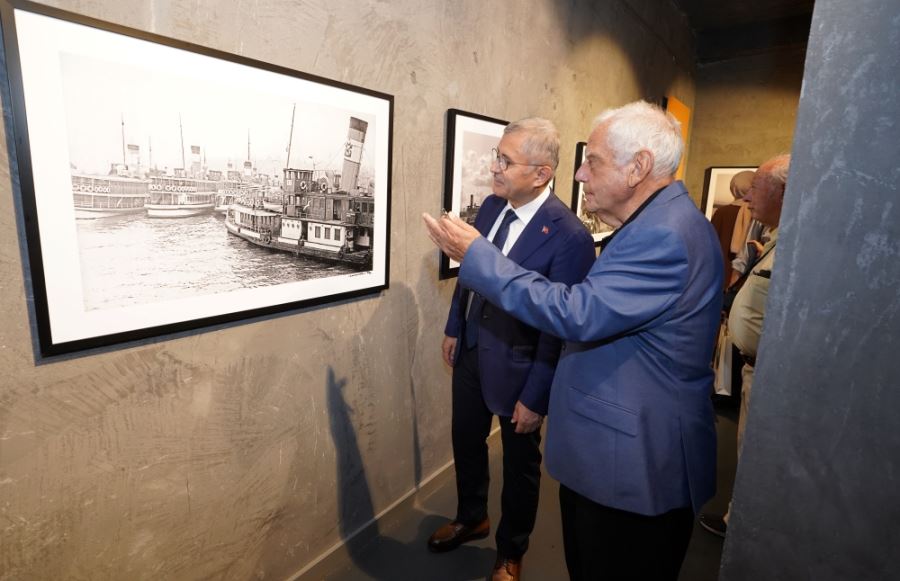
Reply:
x=516, y=361
x=631, y=423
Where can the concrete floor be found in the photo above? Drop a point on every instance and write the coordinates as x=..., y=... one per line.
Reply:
x=394, y=548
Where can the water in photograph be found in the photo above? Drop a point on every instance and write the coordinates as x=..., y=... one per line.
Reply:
x=132, y=260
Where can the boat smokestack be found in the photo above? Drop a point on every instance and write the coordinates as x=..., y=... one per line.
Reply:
x=195, y=161
x=134, y=160
x=356, y=137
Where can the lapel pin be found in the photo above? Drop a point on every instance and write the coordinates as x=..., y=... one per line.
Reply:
x=545, y=230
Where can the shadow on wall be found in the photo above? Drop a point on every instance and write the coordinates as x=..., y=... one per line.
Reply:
x=661, y=37
x=374, y=415
x=395, y=559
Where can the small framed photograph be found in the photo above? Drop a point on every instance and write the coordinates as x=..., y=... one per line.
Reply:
x=598, y=229
x=166, y=187
x=717, y=187
x=467, y=168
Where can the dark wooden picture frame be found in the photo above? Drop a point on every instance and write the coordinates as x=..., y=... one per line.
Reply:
x=295, y=232
x=470, y=137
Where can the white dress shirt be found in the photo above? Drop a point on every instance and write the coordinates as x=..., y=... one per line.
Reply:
x=524, y=213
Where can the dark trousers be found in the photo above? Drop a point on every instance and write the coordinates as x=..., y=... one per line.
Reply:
x=603, y=543
x=521, y=462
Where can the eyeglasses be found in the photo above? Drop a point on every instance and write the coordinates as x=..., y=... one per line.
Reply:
x=504, y=162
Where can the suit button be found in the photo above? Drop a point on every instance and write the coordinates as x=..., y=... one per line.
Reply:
x=564, y=347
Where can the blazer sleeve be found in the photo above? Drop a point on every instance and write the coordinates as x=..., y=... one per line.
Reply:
x=571, y=262
x=630, y=288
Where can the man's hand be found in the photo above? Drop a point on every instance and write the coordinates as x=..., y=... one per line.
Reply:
x=526, y=421
x=450, y=234
x=448, y=348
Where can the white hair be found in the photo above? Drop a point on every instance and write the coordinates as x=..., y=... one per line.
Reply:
x=541, y=144
x=641, y=126
x=776, y=169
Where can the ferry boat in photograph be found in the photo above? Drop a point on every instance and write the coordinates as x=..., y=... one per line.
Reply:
x=107, y=196
x=180, y=197
x=224, y=199
x=229, y=191
x=323, y=215
x=226, y=194
x=274, y=199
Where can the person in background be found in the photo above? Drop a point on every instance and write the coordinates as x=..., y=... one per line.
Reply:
x=732, y=222
x=745, y=321
x=502, y=366
x=631, y=435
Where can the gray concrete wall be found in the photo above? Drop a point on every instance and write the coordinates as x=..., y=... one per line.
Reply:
x=745, y=112
x=816, y=495
x=247, y=451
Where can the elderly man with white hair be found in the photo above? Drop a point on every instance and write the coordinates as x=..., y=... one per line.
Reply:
x=631, y=433
x=745, y=321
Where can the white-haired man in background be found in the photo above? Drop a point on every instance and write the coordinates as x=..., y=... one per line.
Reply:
x=745, y=321
x=631, y=433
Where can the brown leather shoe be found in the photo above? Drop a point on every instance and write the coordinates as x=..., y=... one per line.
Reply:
x=455, y=533
x=507, y=569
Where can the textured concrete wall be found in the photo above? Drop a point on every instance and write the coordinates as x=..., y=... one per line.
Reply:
x=745, y=112
x=816, y=495
x=246, y=451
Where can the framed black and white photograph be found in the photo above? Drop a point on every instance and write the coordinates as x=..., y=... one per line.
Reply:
x=167, y=187
x=598, y=229
x=717, y=187
x=467, y=170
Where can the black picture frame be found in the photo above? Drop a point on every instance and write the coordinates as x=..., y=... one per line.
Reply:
x=470, y=137
x=597, y=228
x=716, y=191
x=55, y=59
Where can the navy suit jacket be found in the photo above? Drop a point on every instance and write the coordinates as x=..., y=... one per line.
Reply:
x=631, y=424
x=516, y=361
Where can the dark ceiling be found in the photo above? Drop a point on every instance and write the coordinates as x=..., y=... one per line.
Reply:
x=728, y=29
x=712, y=14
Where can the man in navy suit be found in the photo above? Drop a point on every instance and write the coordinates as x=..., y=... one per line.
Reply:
x=502, y=366
x=631, y=434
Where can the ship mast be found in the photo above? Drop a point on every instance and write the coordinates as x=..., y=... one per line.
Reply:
x=361, y=149
x=124, y=161
x=181, y=132
x=290, y=137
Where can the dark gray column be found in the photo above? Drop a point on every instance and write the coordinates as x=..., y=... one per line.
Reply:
x=818, y=487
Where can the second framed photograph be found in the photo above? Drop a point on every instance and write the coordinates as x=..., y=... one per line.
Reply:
x=717, y=187
x=598, y=229
x=467, y=170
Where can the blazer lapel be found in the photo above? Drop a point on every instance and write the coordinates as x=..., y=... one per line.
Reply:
x=540, y=229
x=487, y=215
